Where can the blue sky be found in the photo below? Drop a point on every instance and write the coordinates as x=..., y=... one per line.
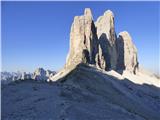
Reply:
x=36, y=34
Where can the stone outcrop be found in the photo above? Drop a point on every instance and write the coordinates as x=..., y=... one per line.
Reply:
x=127, y=53
x=83, y=40
x=107, y=37
x=97, y=44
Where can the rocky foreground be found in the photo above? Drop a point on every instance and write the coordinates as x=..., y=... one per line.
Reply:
x=86, y=93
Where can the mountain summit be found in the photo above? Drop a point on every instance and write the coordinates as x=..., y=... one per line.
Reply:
x=96, y=43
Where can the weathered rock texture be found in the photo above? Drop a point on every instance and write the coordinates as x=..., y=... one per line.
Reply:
x=127, y=53
x=97, y=44
x=83, y=40
x=107, y=37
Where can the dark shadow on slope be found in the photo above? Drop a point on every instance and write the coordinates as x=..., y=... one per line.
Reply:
x=142, y=100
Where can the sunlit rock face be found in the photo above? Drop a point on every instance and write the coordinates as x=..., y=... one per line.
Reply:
x=97, y=44
x=127, y=53
x=83, y=40
x=107, y=37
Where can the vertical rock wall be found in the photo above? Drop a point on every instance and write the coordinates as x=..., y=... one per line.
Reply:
x=83, y=40
x=127, y=53
x=107, y=37
x=97, y=44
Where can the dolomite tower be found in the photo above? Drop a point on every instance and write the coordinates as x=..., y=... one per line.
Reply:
x=97, y=44
x=83, y=40
x=107, y=38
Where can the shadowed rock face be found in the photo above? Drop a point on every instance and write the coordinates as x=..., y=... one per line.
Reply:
x=97, y=44
x=127, y=53
x=107, y=37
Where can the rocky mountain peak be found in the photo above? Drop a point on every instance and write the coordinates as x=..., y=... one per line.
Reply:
x=88, y=13
x=105, y=24
x=127, y=53
x=97, y=44
x=82, y=40
x=42, y=74
x=108, y=13
x=107, y=37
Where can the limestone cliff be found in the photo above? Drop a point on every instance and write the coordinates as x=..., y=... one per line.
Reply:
x=107, y=37
x=83, y=40
x=127, y=53
x=97, y=44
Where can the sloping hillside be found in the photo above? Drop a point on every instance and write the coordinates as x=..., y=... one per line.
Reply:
x=86, y=93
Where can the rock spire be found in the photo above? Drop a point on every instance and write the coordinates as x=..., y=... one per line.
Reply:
x=97, y=44
x=83, y=40
x=127, y=53
x=107, y=37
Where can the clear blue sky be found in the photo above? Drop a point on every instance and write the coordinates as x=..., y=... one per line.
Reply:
x=36, y=34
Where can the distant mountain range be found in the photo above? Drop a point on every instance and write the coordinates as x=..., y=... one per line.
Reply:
x=38, y=74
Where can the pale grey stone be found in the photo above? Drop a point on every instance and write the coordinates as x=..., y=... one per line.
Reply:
x=83, y=40
x=107, y=37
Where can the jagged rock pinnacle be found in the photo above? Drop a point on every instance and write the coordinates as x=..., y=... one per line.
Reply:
x=87, y=12
x=127, y=53
x=83, y=39
x=97, y=44
x=107, y=37
x=109, y=13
